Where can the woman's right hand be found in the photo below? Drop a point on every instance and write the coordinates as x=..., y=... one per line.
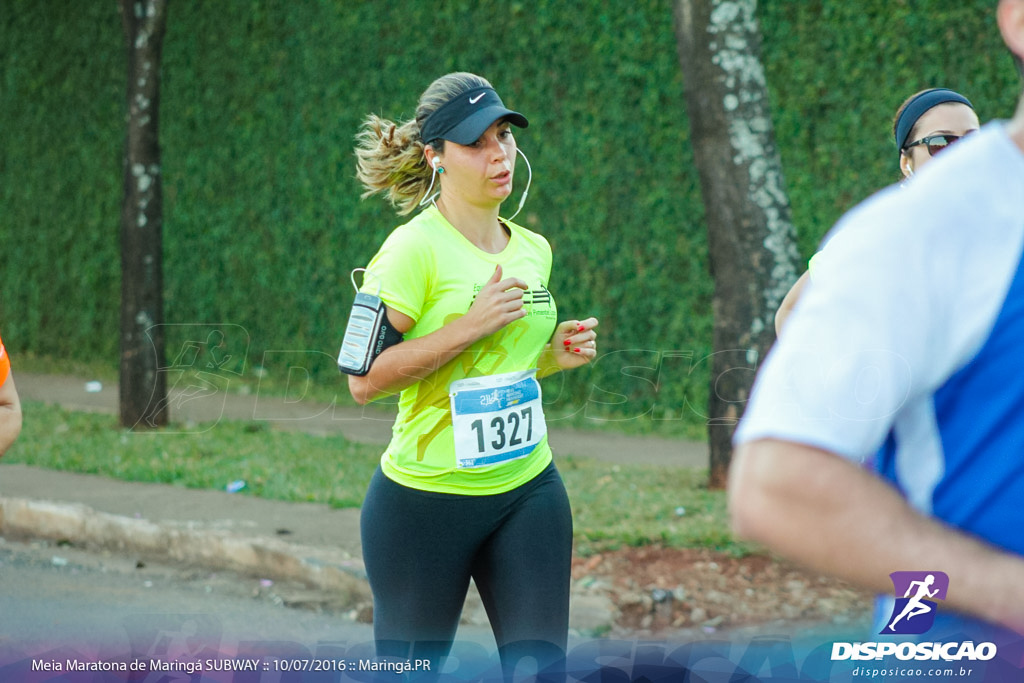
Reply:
x=499, y=303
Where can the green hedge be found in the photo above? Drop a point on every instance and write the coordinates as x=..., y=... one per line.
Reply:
x=262, y=213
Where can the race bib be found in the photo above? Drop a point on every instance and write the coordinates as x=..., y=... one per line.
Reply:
x=496, y=418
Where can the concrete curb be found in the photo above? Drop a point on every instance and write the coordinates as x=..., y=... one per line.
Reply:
x=191, y=543
x=265, y=558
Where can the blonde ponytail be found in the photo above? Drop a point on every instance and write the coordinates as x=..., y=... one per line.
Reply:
x=389, y=160
x=389, y=156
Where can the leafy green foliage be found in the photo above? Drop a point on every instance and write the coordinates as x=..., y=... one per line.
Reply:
x=263, y=220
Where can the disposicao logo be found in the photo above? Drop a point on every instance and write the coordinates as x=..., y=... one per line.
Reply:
x=914, y=613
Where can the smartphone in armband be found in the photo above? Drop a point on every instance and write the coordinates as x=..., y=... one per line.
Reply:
x=367, y=333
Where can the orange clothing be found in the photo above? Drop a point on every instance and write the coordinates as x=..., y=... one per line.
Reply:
x=5, y=363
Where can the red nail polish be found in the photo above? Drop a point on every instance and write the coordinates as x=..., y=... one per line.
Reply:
x=580, y=328
x=566, y=342
x=576, y=350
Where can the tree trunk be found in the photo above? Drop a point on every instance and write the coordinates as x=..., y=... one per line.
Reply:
x=751, y=240
x=143, y=386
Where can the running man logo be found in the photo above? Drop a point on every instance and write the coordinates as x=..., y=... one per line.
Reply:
x=914, y=613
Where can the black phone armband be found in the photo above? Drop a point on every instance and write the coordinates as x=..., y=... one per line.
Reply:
x=367, y=333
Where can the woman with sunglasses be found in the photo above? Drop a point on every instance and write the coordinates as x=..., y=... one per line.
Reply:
x=925, y=124
x=928, y=122
x=467, y=488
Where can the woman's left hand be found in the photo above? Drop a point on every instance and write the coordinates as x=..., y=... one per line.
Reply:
x=574, y=343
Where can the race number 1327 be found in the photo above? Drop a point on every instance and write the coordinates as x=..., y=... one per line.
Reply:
x=511, y=429
x=496, y=418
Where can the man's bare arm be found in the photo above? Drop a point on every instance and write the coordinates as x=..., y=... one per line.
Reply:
x=832, y=515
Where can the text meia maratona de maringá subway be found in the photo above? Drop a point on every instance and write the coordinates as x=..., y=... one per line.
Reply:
x=187, y=666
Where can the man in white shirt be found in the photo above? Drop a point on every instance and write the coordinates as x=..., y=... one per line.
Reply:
x=885, y=431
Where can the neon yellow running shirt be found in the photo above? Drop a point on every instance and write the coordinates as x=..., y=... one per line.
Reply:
x=430, y=272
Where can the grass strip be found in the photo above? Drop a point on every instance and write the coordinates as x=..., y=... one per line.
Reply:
x=614, y=505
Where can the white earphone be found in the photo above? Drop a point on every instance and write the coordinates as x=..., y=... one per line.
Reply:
x=529, y=179
x=436, y=163
x=428, y=197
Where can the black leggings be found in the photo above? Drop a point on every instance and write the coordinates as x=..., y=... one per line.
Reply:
x=421, y=548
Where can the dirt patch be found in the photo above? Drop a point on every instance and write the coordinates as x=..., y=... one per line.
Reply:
x=660, y=590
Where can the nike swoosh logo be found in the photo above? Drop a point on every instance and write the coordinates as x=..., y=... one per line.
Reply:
x=474, y=100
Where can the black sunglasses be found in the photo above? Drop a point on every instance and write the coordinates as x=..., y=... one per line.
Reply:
x=936, y=143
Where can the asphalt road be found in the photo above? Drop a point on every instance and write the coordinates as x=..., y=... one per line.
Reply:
x=59, y=604
x=54, y=595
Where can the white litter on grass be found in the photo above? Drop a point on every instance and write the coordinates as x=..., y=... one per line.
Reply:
x=93, y=387
x=59, y=561
x=235, y=486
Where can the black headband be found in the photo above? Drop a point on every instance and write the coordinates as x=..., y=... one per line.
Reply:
x=916, y=108
x=465, y=117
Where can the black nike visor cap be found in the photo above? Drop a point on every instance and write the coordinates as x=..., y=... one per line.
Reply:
x=465, y=117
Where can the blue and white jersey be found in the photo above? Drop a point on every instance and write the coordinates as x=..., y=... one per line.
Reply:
x=907, y=351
